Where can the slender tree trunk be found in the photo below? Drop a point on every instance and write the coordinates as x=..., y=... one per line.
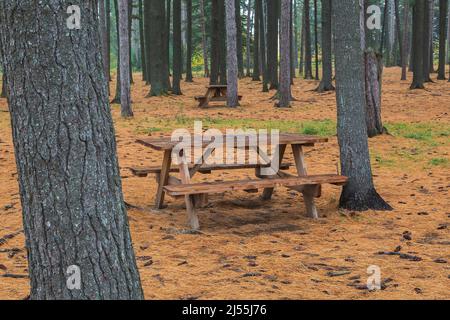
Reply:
x=256, y=55
x=428, y=24
x=399, y=30
x=284, y=91
x=189, y=77
x=130, y=22
x=74, y=218
x=249, y=27
x=232, y=61
x=125, y=98
x=316, y=40
x=141, y=39
x=359, y=193
x=222, y=43
x=215, y=45
x=118, y=90
x=240, y=53
x=404, y=44
x=204, y=39
x=167, y=22
x=443, y=8
x=418, y=44
x=177, y=51
x=147, y=41
x=308, y=54
x=384, y=27
x=327, y=68
x=302, y=47
x=272, y=45
x=263, y=47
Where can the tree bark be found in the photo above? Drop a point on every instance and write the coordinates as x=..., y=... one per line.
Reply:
x=327, y=68
x=308, y=54
x=373, y=74
x=359, y=193
x=189, y=77
x=316, y=41
x=215, y=45
x=256, y=43
x=263, y=47
x=428, y=26
x=142, y=40
x=405, y=35
x=104, y=36
x=272, y=45
x=240, y=53
x=443, y=8
x=124, y=41
x=204, y=39
x=177, y=51
x=108, y=38
x=284, y=91
x=232, y=63
x=148, y=46
x=3, y=93
x=418, y=44
x=249, y=27
x=73, y=210
x=116, y=98
x=399, y=31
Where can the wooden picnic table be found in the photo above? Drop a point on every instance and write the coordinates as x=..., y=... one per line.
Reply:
x=214, y=93
x=195, y=194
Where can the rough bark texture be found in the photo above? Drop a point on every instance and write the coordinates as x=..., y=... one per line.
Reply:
x=428, y=24
x=108, y=38
x=177, y=51
x=316, y=42
x=70, y=186
x=249, y=26
x=327, y=68
x=124, y=41
x=308, y=53
x=204, y=39
x=256, y=43
x=104, y=36
x=359, y=193
x=158, y=67
x=405, y=39
x=232, y=63
x=443, y=7
x=142, y=40
x=263, y=47
x=215, y=46
x=147, y=32
x=3, y=93
x=222, y=44
x=418, y=42
x=189, y=77
x=272, y=43
x=240, y=53
x=374, y=73
x=284, y=91
x=116, y=98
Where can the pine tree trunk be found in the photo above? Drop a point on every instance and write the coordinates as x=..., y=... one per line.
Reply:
x=272, y=45
x=316, y=41
x=373, y=74
x=399, y=31
x=189, y=77
x=256, y=43
x=204, y=39
x=232, y=62
x=359, y=193
x=148, y=46
x=104, y=36
x=327, y=67
x=73, y=210
x=166, y=53
x=108, y=38
x=116, y=98
x=249, y=26
x=215, y=45
x=3, y=93
x=428, y=24
x=177, y=51
x=263, y=47
x=284, y=91
x=418, y=44
x=443, y=7
x=222, y=44
x=240, y=53
x=130, y=22
x=308, y=54
x=142, y=40
x=124, y=47
x=405, y=35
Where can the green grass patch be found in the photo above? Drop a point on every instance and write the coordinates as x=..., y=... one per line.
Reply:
x=441, y=162
x=426, y=132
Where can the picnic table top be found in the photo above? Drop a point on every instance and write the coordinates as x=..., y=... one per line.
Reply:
x=166, y=143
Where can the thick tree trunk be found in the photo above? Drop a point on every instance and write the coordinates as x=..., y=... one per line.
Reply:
x=177, y=51
x=108, y=38
x=359, y=193
x=284, y=91
x=418, y=43
x=405, y=35
x=3, y=93
x=232, y=62
x=189, y=77
x=240, y=53
x=204, y=39
x=124, y=41
x=256, y=43
x=308, y=53
x=104, y=36
x=443, y=7
x=327, y=68
x=157, y=42
x=73, y=211
x=272, y=45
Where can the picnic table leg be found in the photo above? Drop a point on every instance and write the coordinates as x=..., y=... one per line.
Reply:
x=267, y=192
x=309, y=191
x=163, y=179
x=189, y=199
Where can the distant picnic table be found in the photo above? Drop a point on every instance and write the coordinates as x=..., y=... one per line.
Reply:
x=214, y=93
x=196, y=194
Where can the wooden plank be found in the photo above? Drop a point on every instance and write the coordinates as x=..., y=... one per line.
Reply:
x=223, y=186
x=205, y=169
x=163, y=179
x=190, y=207
x=164, y=143
x=267, y=192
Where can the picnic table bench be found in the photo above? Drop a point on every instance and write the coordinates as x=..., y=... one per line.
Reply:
x=195, y=194
x=214, y=93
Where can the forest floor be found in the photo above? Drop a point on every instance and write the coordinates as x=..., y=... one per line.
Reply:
x=249, y=249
